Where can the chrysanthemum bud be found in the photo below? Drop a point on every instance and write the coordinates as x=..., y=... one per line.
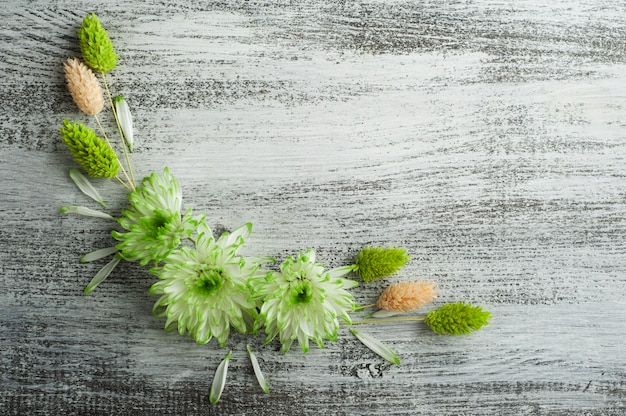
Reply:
x=457, y=319
x=406, y=296
x=83, y=86
x=90, y=151
x=95, y=45
x=126, y=120
x=378, y=262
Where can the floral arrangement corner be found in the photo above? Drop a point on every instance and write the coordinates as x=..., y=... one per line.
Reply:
x=205, y=286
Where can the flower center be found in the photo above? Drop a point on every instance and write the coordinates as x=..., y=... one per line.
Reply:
x=301, y=292
x=159, y=224
x=209, y=280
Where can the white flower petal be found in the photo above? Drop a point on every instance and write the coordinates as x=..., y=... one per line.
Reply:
x=98, y=254
x=340, y=272
x=85, y=186
x=310, y=254
x=244, y=232
x=73, y=209
x=260, y=260
x=376, y=346
x=219, y=380
x=257, y=371
x=126, y=120
x=102, y=275
x=348, y=283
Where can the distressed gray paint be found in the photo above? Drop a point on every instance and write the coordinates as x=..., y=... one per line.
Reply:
x=485, y=137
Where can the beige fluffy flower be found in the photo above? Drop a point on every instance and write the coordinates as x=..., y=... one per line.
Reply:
x=406, y=296
x=83, y=86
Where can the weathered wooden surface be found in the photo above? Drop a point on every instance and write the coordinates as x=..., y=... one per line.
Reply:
x=485, y=137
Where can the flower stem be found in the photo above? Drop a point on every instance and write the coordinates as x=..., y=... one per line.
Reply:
x=374, y=321
x=358, y=308
x=131, y=183
x=124, y=183
x=119, y=128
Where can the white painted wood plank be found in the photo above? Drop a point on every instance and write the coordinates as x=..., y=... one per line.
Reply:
x=485, y=137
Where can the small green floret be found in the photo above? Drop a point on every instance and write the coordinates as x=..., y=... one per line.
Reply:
x=90, y=151
x=457, y=319
x=374, y=263
x=95, y=45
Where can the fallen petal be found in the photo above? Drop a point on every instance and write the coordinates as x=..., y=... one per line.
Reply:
x=217, y=387
x=98, y=254
x=102, y=275
x=85, y=186
x=376, y=346
x=257, y=371
x=73, y=209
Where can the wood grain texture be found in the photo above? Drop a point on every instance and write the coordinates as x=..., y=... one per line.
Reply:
x=486, y=137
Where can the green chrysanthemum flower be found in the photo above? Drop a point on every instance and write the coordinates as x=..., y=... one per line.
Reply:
x=90, y=151
x=303, y=301
x=204, y=290
x=378, y=262
x=95, y=45
x=154, y=221
x=457, y=319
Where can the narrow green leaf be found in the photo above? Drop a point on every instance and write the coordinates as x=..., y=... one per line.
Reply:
x=219, y=380
x=85, y=186
x=102, y=275
x=257, y=371
x=376, y=346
